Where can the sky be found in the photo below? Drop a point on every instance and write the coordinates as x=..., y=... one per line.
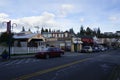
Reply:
x=60, y=14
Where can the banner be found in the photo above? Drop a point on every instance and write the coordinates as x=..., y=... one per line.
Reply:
x=9, y=27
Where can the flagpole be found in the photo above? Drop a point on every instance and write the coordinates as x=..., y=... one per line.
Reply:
x=9, y=26
x=9, y=33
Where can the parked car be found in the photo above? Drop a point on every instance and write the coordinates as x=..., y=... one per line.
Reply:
x=102, y=48
x=87, y=49
x=96, y=49
x=50, y=52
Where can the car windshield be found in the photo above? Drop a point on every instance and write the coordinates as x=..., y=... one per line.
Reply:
x=52, y=49
x=86, y=47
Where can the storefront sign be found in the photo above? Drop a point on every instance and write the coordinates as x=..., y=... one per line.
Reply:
x=87, y=40
x=77, y=40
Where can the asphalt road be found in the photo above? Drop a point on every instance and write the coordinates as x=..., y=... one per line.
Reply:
x=71, y=66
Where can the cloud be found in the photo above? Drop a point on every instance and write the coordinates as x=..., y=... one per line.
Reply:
x=3, y=16
x=46, y=20
x=82, y=19
x=113, y=18
x=65, y=9
x=33, y=20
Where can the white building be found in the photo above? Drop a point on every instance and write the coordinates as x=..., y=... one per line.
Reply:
x=27, y=39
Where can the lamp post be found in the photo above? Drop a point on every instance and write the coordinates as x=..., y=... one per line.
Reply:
x=9, y=27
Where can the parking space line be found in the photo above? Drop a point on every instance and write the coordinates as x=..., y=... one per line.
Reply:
x=27, y=76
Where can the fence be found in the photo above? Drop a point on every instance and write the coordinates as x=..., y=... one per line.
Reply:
x=22, y=50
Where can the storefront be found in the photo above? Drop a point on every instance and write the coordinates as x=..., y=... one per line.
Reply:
x=76, y=45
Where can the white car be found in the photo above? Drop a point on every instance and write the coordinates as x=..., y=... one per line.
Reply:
x=87, y=49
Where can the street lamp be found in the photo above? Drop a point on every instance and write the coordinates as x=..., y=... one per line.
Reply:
x=9, y=27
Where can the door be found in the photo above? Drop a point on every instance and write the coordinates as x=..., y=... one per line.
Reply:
x=75, y=47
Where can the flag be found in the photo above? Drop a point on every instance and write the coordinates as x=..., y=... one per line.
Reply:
x=9, y=27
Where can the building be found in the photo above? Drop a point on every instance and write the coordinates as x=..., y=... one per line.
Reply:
x=64, y=40
x=118, y=33
x=108, y=33
x=28, y=39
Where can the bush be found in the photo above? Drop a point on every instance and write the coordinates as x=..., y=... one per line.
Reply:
x=4, y=54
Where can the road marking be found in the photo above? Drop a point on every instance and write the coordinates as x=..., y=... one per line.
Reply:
x=20, y=61
x=28, y=60
x=12, y=62
x=27, y=76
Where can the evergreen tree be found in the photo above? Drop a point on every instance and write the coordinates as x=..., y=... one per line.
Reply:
x=23, y=29
x=82, y=31
x=29, y=30
x=89, y=31
x=42, y=30
x=95, y=32
x=49, y=30
x=71, y=30
x=46, y=30
x=98, y=32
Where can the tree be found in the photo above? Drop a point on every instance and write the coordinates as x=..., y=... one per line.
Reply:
x=49, y=30
x=23, y=29
x=46, y=30
x=98, y=32
x=88, y=31
x=82, y=31
x=5, y=37
x=42, y=30
x=71, y=30
x=95, y=32
x=29, y=29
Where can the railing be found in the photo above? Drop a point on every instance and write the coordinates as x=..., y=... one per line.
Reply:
x=22, y=50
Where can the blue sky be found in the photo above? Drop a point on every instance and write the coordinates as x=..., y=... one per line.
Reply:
x=61, y=14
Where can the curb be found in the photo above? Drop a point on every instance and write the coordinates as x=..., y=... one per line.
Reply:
x=16, y=57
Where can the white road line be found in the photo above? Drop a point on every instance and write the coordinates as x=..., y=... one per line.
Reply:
x=28, y=60
x=12, y=62
x=3, y=63
x=20, y=61
x=34, y=60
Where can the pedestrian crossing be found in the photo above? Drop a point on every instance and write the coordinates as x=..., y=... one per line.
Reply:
x=27, y=60
x=19, y=61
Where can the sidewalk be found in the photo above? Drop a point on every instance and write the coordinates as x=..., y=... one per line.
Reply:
x=18, y=57
x=32, y=56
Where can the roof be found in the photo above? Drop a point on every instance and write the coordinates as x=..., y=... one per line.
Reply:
x=22, y=36
x=29, y=37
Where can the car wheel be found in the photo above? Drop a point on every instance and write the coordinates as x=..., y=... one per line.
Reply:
x=47, y=56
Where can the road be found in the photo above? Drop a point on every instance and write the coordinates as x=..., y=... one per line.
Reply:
x=71, y=66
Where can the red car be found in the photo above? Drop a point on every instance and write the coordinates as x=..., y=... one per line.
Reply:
x=50, y=52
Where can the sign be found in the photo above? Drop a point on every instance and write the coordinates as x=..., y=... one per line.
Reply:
x=77, y=40
x=87, y=40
